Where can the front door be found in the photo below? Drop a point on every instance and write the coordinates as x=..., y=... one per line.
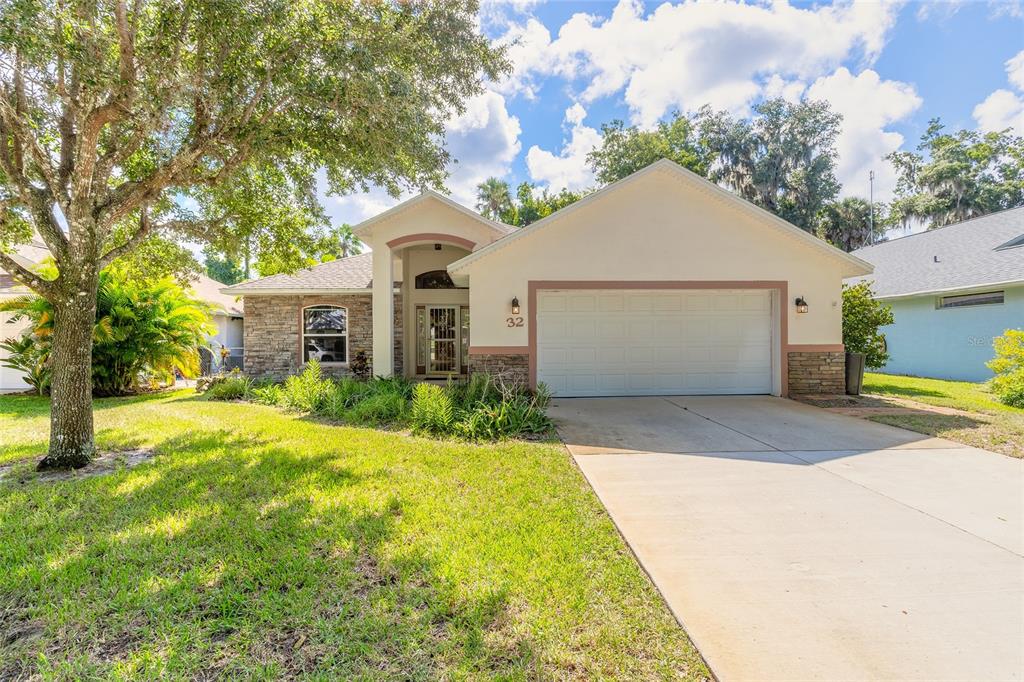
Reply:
x=443, y=348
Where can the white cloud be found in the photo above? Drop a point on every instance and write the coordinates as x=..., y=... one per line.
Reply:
x=868, y=105
x=690, y=54
x=568, y=168
x=1003, y=108
x=527, y=45
x=1015, y=70
x=483, y=141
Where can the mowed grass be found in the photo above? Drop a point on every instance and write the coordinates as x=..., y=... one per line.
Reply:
x=990, y=425
x=261, y=545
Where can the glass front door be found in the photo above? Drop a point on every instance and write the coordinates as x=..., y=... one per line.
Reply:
x=443, y=347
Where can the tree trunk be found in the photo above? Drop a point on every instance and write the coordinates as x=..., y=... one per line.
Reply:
x=72, y=444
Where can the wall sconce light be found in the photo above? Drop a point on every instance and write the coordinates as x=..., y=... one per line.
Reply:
x=801, y=305
x=515, y=305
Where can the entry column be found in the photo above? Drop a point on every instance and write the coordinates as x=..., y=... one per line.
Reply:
x=383, y=311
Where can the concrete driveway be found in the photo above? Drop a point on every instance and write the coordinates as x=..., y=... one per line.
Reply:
x=795, y=544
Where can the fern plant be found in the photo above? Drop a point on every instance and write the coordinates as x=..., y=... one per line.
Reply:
x=433, y=411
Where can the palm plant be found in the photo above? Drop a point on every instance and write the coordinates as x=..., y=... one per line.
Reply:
x=848, y=223
x=493, y=198
x=143, y=329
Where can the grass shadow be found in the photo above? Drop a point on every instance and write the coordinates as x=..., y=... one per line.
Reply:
x=231, y=556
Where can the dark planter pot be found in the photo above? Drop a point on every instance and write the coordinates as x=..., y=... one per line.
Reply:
x=854, y=373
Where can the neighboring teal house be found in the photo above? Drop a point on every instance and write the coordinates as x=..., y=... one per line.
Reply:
x=952, y=289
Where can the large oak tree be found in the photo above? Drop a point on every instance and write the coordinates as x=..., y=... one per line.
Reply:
x=206, y=119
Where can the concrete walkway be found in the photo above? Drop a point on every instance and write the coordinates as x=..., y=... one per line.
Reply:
x=798, y=544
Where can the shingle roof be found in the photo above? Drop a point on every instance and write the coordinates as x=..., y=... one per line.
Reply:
x=353, y=272
x=208, y=290
x=960, y=256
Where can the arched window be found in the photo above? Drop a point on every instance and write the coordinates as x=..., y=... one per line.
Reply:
x=435, y=279
x=325, y=334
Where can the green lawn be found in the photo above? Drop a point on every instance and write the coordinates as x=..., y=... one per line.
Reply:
x=990, y=424
x=258, y=544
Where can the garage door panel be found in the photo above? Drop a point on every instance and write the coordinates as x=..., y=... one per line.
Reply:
x=644, y=343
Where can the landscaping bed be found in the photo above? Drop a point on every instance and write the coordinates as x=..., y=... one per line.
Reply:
x=481, y=408
x=259, y=543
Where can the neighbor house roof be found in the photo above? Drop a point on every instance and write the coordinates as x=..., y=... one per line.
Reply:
x=853, y=265
x=354, y=273
x=208, y=290
x=977, y=253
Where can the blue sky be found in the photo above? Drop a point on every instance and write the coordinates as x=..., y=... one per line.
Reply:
x=887, y=67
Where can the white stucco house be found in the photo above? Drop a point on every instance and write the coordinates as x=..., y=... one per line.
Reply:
x=661, y=283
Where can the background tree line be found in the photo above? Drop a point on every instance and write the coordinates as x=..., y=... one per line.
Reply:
x=783, y=159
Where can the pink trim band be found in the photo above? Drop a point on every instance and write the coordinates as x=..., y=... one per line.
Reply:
x=432, y=237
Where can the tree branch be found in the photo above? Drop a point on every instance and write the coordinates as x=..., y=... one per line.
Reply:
x=44, y=288
x=145, y=229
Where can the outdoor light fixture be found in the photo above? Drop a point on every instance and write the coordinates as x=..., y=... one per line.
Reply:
x=801, y=304
x=515, y=305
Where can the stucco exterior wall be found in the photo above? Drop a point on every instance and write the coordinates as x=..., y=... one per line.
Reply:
x=273, y=332
x=656, y=229
x=951, y=343
x=430, y=217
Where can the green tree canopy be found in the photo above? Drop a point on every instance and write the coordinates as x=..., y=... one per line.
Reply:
x=223, y=269
x=848, y=223
x=956, y=176
x=531, y=205
x=782, y=159
x=625, y=150
x=209, y=121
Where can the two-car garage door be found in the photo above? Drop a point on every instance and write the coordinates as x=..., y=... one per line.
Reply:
x=661, y=342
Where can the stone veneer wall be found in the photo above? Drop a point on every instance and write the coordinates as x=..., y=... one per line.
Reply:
x=511, y=368
x=273, y=332
x=822, y=372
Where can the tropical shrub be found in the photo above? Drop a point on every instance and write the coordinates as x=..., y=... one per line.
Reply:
x=381, y=408
x=268, y=394
x=307, y=391
x=1008, y=365
x=28, y=357
x=433, y=410
x=230, y=387
x=144, y=330
x=862, y=317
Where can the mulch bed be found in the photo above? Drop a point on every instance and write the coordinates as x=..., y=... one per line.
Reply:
x=104, y=463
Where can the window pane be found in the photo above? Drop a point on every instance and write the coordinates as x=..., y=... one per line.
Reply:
x=971, y=299
x=435, y=279
x=421, y=337
x=325, y=349
x=325, y=320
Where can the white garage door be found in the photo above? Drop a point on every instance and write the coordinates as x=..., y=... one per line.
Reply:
x=686, y=342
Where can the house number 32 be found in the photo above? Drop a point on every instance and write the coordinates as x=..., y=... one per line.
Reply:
x=513, y=322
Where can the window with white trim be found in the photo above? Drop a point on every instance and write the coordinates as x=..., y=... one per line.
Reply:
x=325, y=334
x=966, y=300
